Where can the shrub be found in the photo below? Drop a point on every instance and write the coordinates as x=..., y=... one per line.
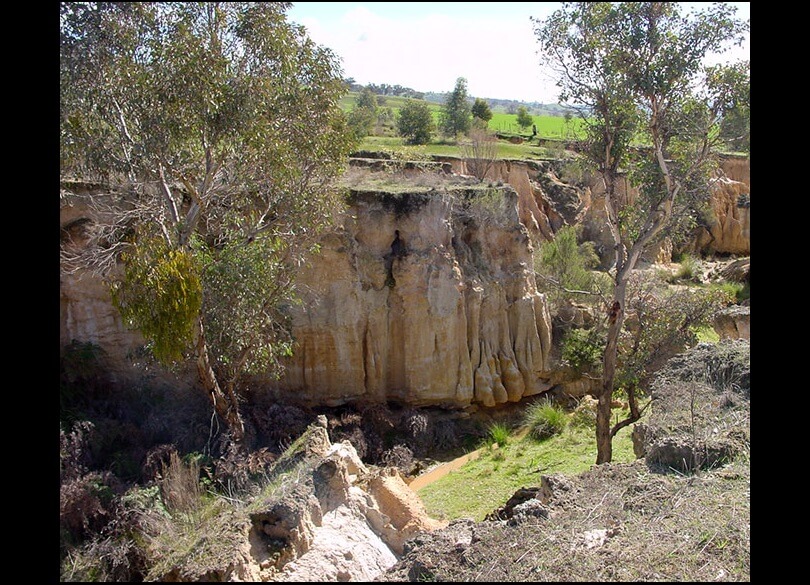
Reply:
x=583, y=349
x=563, y=264
x=85, y=505
x=279, y=424
x=180, y=484
x=544, y=419
x=415, y=122
x=480, y=152
x=399, y=456
x=689, y=269
x=445, y=437
x=497, y=434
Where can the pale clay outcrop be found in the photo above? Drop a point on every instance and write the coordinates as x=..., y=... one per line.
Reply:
x=453, y=318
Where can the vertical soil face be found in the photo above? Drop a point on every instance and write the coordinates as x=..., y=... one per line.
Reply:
x=424, y=302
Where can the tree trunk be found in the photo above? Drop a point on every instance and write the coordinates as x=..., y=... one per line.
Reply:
x=604, y=445
x=224, y=405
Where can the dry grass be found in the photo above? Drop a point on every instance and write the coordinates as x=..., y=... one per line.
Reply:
x=615, y=523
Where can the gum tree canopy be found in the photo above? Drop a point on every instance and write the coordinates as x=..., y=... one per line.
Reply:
x=652, y=111
x=216, y=131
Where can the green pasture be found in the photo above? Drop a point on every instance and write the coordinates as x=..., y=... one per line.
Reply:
x=547, y=126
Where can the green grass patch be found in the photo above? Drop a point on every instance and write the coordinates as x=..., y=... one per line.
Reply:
x=547, y=126
x=736, y=291
x=484, y=484
x=498, y=434
x=545, y=419
x=706, y=334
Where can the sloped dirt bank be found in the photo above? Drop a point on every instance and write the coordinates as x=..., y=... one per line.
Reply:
x=673, y=516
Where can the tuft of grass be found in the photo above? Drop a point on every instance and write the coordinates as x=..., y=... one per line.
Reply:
x=497, y=434
x=689, y=269
x=544, y=420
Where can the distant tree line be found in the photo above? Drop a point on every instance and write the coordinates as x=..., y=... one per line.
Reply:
x=385, y=89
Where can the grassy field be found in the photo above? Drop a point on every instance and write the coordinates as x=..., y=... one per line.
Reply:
x=484, y=484
x=547, y=126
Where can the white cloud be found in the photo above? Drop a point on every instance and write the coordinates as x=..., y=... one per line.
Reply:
x=429, y=52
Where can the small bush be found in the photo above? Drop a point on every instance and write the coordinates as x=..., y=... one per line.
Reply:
x=445, y=437
x=180, y=484
x=497, y=434
x=689, y=269
x=545, y=420
x=583, y=349
x=733, y=290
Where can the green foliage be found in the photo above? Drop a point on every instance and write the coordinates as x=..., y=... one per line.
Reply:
x=689, y=269
x=367, y=99
x=480, y=109
x=361, y=122
x=706, y=334
x=160, y=294
x=544, y=419
x=524, y=118
x=498, y=434
x=729, y=87
x=562, y=265
x=456, y=116
x=415, y=122
x=662, y=323
x=247, y=287
x=582, y=349
x=364, y=116
x=737, y=291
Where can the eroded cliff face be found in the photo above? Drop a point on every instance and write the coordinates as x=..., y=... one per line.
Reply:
x=549, y=198
x=425, y=298
x=731, y=231
x=85, y=309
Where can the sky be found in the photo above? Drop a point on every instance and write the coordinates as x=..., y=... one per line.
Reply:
x=428, y=45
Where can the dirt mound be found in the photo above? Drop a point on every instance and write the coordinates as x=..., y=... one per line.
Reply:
x=701, y=409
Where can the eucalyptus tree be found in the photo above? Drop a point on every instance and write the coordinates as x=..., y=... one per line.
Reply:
x=636, y=72
x=524, y=119
x=456, y=115
x=216, y=131
x=481, y=110
x=415, y=122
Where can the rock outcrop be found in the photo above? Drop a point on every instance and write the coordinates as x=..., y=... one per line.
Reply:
x=422, y=297
x=733, y=322
x=425, y=293
x=85, y=309
x=549, y=199
x=329, y=518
